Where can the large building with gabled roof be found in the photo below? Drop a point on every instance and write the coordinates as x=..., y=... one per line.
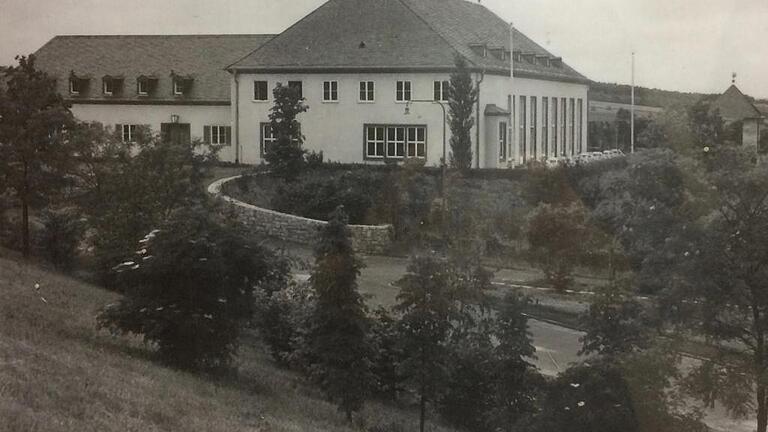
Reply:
x=374, y=74
x=735, y=106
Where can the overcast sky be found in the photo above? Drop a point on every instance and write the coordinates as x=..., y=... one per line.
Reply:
x=686, y=45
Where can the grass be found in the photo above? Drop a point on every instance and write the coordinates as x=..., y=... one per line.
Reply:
x=59, y=373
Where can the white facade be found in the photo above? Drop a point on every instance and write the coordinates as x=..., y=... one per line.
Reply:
x=338, y=128
x=197, y=116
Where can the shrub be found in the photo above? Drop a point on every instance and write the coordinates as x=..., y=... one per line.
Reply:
x=281, y=318
x=190, y=289
x=58, y=240
x=387, y=355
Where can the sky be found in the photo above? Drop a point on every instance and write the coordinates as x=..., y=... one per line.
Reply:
x=684, y=45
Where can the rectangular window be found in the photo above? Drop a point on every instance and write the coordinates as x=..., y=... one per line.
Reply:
x=403, y=92
x=367, y=93
x=563, y=119
x=441, y=90
x=129, y=133
x=581, y=126
x=297, y=85
x=545, y=127
x=142, y=87
x=178, y=87
x=74, y=86
x=523, y=126
x=109, y=87
x=268, y=139
x=374, y=142
x=555, y=125
x=534, y=127
x=395, y=141
x=571, y=124
x=502, y=141
x=217, y=135
x=330, y=91
x=260, y=91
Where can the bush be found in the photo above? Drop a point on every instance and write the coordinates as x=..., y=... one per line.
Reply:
x=281, y=318
x=190, y=288
x=59, y=239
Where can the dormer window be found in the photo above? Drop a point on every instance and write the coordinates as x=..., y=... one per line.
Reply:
x=479, y=49
x=529, y=57
x=498, y=53
x=145, y=84
x=109, y=87
x=542, y=60
x=556, y=62
x=78, y=84
x=75, y=86
x=181, y=84
x=518, y=56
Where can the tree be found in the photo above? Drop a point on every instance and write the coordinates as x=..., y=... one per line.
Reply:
x=560, y=239
x=34, y=123
x=189, y=289
x=724, y=271
x=462, y=96
x=707, y=126
x=614, y=324
x=286, y=155
x=427, y=311
x=338, y=352
x=516, y=382
x=148, y=180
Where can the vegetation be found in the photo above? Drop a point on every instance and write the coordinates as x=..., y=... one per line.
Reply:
x=34, y=140
x=189, y=289
x=462, y=96
x=337, y=349
x=286, y=155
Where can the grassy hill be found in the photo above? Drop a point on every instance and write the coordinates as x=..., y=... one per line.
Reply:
x=620, y=93
x=59, y=373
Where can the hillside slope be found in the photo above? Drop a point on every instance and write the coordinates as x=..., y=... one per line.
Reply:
x=59, y=373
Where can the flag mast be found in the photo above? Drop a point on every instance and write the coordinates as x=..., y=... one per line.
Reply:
x=632, y=109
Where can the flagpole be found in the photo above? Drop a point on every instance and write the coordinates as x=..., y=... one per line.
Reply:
x=632, y=110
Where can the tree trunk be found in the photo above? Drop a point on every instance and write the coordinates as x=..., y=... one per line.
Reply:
x=423, y=409
x=25, y=213
x=762, y=413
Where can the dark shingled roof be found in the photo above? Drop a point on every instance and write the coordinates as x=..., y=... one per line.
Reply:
x=399, y=34
x=733, y=105
x=202, y=57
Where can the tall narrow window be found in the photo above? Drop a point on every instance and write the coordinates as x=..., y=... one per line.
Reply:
x=298, y=87
x=395, y=142
x=571, y=124
x=403, y=91
x=545, y=127
x=260, y=91
x=523, y=126
x=417, y=142
x=555, y=125
x=502, y=141
x=441, y=90
x=534, y=128
x=128, y=133
x=109, y=87
x=330, y=91
x=581, y=126
x=142, y=87
x=367, y=92
x=268, y=139
x=74, y=86
x=563, y=114
x=178, y=87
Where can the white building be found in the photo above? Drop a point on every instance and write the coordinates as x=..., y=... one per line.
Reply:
x=358, y=64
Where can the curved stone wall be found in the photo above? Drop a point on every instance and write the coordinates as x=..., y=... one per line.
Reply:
x=366, y=239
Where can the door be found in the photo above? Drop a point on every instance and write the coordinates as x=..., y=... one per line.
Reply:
x=176, y=133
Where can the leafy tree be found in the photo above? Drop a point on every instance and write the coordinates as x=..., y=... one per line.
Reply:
x=724, y=269
x=462, y=96
x=387, y=355
x=60, y=238
x=149, y=182
x=37, y=154
x=286, y=156
x=189, y=289
x=707, y=126
x=516, y=382
x=560, y=239
x=614, y=324
x=338, y=351
x=427, y=309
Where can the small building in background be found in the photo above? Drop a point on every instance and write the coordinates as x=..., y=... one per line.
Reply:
x=734, y=106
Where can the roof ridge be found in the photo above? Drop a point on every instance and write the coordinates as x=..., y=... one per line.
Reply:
x=279, y=34
x=200, y=35
x=440, y=35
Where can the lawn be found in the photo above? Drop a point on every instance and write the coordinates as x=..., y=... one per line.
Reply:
x=59, y=373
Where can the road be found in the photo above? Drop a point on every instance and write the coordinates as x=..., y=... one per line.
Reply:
x=556, y=346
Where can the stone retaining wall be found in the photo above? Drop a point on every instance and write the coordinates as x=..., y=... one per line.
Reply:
x=367, y=239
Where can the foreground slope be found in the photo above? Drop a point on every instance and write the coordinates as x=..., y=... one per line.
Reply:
x=59, y=373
